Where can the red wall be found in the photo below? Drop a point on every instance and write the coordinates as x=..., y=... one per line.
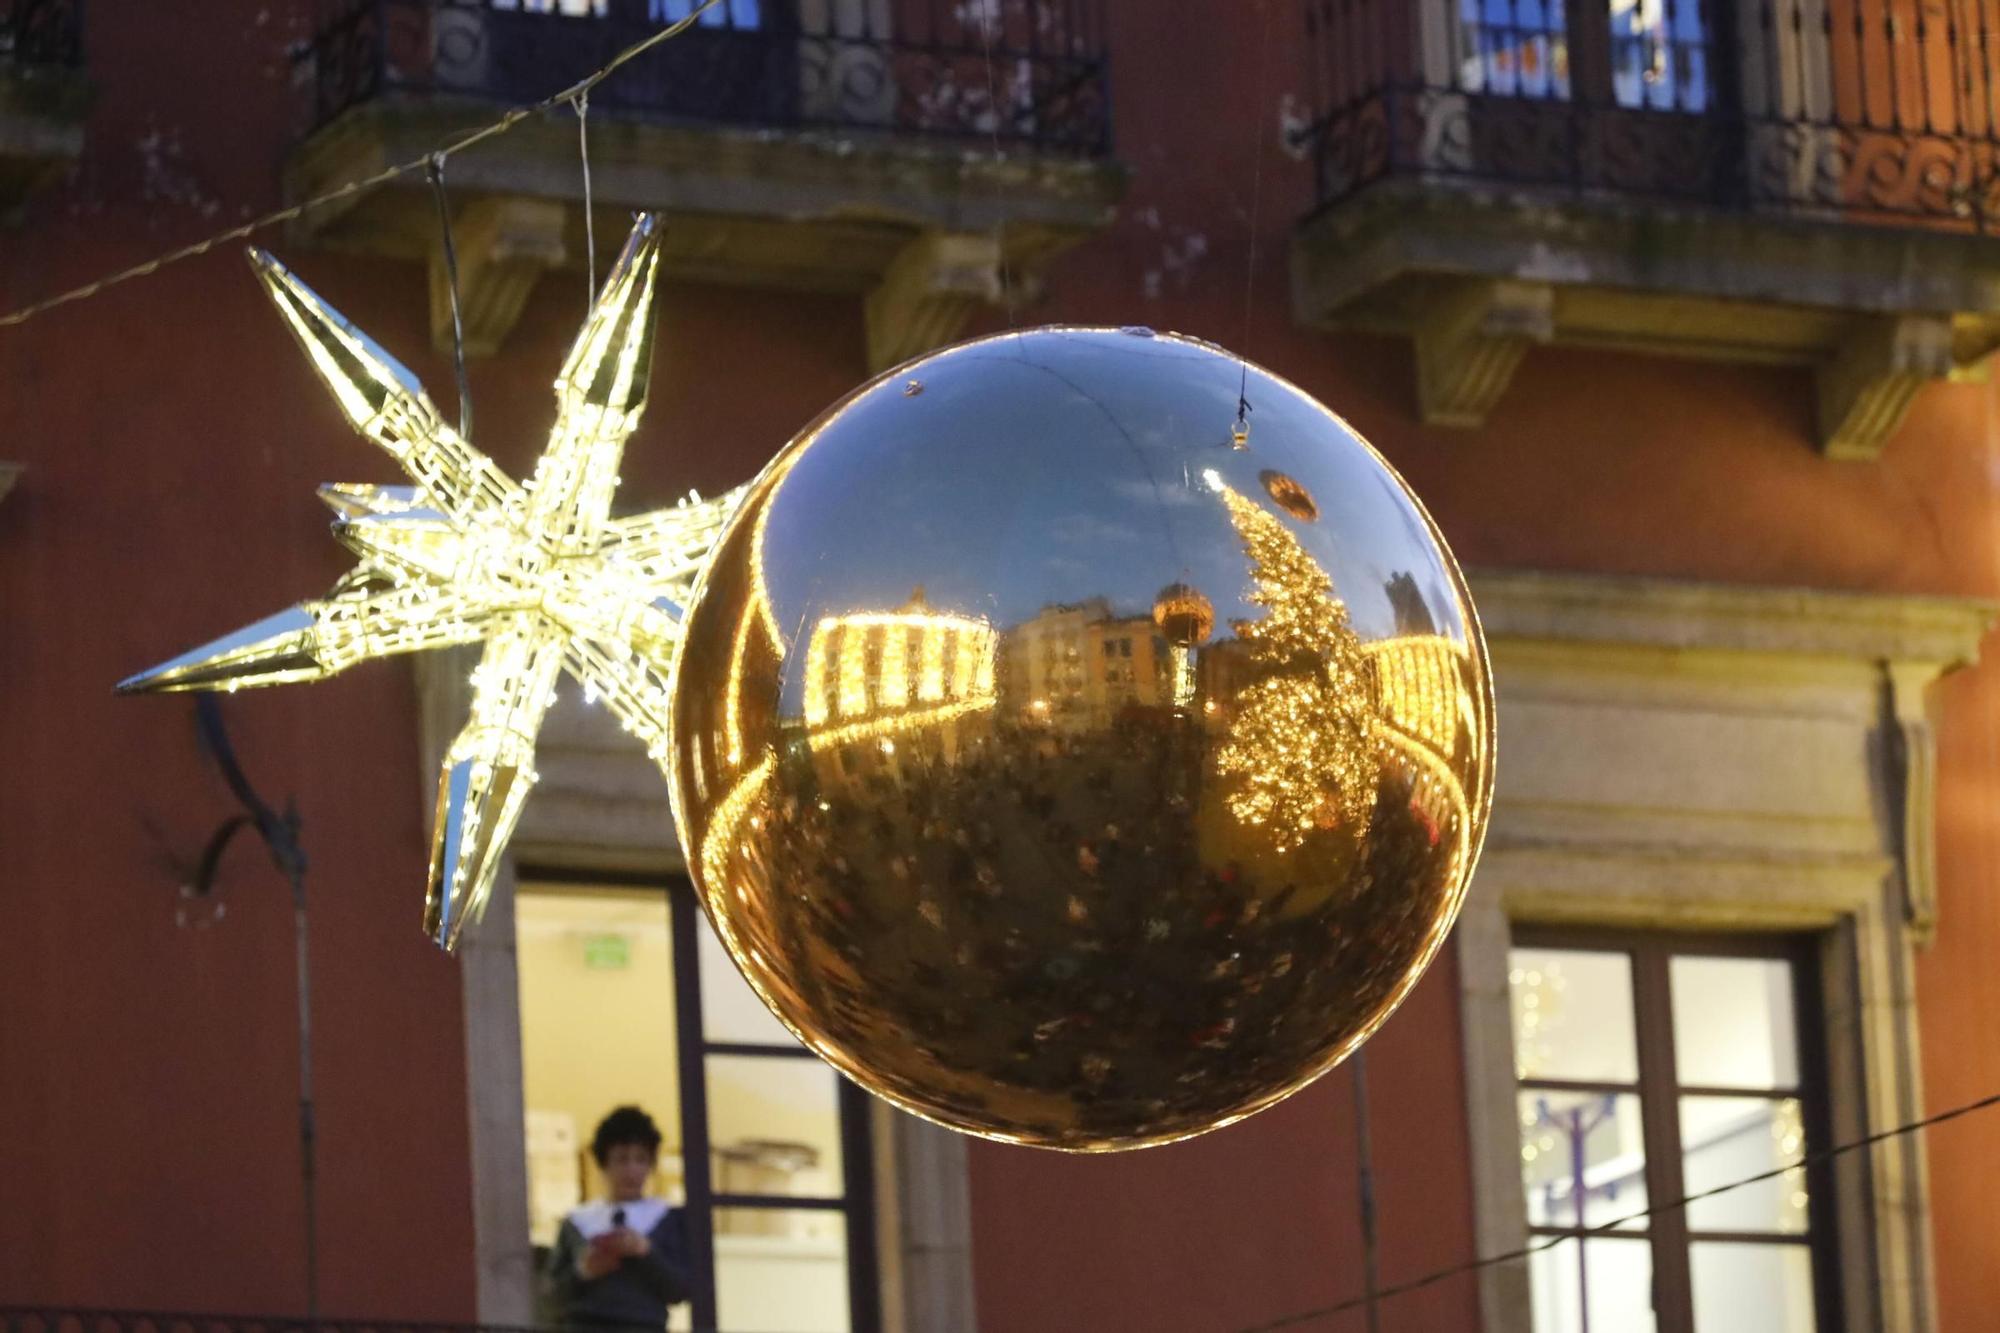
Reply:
x=174, y=438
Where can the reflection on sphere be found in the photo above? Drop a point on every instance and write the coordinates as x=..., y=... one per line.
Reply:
x=1060, y=772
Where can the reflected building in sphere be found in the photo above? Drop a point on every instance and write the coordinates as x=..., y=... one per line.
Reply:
x=914, y=673
x=1074, y=667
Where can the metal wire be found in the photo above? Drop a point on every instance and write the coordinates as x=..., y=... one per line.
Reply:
x=589, y=216
x=1240, y=434
x=436, y=173
x=242, y=231
x=1605, y=1228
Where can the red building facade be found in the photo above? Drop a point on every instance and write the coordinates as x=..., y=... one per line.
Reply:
x=1702, y=411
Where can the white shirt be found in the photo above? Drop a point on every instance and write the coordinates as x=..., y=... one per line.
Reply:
x=594, y=1219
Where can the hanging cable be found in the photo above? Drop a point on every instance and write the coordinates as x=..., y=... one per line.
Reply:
x=990, y=17
x=1239, y=434
x=243, y=231
x=436, y=174
x=1607, y=1228
x=589, y=214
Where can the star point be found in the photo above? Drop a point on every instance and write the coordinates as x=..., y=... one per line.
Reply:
x=540, y=574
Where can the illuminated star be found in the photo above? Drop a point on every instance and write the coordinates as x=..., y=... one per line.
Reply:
x=540, y=573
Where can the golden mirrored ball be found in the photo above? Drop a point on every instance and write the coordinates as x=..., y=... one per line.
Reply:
x=1062, y=766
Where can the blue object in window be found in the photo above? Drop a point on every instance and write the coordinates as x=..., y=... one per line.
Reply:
x=728, y=14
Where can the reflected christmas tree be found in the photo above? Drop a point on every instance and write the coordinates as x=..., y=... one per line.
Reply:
x=1300, y=754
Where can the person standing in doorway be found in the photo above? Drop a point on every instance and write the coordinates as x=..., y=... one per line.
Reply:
x=620, y=1261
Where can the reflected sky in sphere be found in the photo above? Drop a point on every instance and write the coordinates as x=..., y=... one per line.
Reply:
x=1059, y=469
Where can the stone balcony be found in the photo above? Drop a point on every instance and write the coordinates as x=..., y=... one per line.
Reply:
x=1782, y=192
x=42, y=96
x=793, y=144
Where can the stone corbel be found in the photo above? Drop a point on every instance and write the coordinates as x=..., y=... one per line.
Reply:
x=1909, y=734
x=504, y=246
x=1470, y=337
x=1867, y=386
x=930, y=290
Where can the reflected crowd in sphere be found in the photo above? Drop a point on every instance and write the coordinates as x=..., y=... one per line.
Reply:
x=1062, y=768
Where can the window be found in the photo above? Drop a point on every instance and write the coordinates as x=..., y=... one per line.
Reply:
x=729, y=14
x=1517, y=48
x=1655, y=1067
x=1640, y=54
x=627, y=996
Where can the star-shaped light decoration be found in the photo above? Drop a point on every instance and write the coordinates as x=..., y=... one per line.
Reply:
x=541, y=573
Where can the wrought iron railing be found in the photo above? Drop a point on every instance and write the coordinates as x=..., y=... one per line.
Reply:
x=1877, y=110
x=51, y=1319
x=41, y=33
x=1027, y=71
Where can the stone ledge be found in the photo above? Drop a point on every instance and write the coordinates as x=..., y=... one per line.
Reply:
x=41, y=130
x=1660, y=613
x=1875, y=310
x=796, y=211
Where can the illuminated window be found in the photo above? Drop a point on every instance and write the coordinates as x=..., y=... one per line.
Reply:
x=728, y=14
x=1652, y=1068
x=626, y=996
x=1517, y=48
x=1640, y=54
x=1659, y=55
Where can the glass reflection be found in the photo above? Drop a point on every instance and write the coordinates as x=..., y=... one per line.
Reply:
x=1583, y=1159
x=1053, y=789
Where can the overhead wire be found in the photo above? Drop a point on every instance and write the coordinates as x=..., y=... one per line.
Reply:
x=1616, y=1225
x=470, y=139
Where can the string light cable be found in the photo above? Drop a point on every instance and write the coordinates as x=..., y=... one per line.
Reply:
x=1613, y=1227
x=570, y=96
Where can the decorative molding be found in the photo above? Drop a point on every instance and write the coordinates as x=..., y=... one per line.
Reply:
x=503, y=246
x=1698, y=756
x=1867, y=385
x=791, y=211
x=928, y=293
x=1909, y=751
x=1470, y=337
x=1731, y=618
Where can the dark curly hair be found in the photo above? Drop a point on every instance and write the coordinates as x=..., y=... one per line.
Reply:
x=627, y=1124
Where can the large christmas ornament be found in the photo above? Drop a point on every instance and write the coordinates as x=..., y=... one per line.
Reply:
x=540, y=573
x=1067, y=766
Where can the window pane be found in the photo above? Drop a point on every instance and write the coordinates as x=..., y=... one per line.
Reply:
x=1615, y=1279
x=1729, y=1138
x=1659, y=55
x=781, y=1269
x=731, y=13
x=1562, y=1131
x=1573, y=1015
x=1516, y=48
x=774, y=1125
x=1733, y=1023
x=730, y=1010
x=1751, y=1288
x=596, y=983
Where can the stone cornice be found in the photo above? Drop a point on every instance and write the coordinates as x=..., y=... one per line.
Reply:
x=1717, y=617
